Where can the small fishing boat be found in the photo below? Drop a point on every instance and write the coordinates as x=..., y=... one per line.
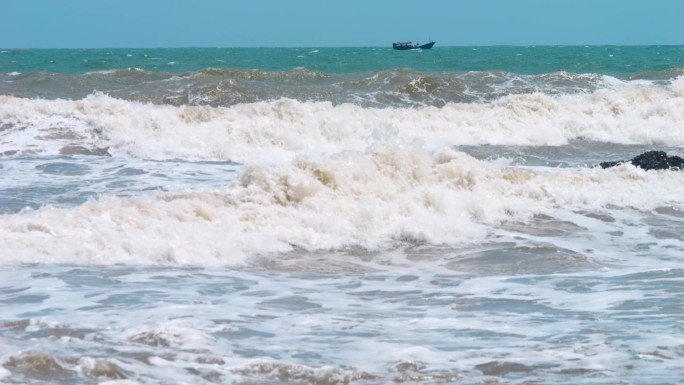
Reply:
x=402, y=46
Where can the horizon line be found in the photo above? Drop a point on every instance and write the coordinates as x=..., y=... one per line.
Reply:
x=362, y=46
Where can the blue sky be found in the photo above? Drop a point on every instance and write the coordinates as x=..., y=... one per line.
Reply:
x=320, y=23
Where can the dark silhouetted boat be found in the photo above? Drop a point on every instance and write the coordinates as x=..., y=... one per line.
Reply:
x=402, y=46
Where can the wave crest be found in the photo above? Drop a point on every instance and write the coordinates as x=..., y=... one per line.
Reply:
x=392, y=197
x=280, y=130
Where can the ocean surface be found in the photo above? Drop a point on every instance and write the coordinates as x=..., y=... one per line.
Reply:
x=341, y=216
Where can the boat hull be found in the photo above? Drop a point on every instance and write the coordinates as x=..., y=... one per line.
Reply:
x=402, y=47
x=408, y=46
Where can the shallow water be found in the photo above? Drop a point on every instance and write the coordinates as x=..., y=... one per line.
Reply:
x=371, y=321
x=582, y=297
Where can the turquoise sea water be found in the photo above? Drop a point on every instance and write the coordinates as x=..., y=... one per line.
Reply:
x=621, y=61
x=341, y=216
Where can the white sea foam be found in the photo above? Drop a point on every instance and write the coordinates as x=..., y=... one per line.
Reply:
x=325, y=177
x=378, y=200
x=279, y=131
x=152, y=324
x=4, y=373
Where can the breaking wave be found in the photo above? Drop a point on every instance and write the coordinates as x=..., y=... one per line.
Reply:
x=274, y=131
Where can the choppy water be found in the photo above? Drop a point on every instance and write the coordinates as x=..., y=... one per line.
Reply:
x=335, y=216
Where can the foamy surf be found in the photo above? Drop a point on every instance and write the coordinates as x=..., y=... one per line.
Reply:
x=223, y=326
x=351, y=216
x=278, y=131
x=391, y=197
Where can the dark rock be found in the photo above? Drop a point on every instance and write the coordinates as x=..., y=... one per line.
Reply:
x=651, y=160
x=611, y=164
